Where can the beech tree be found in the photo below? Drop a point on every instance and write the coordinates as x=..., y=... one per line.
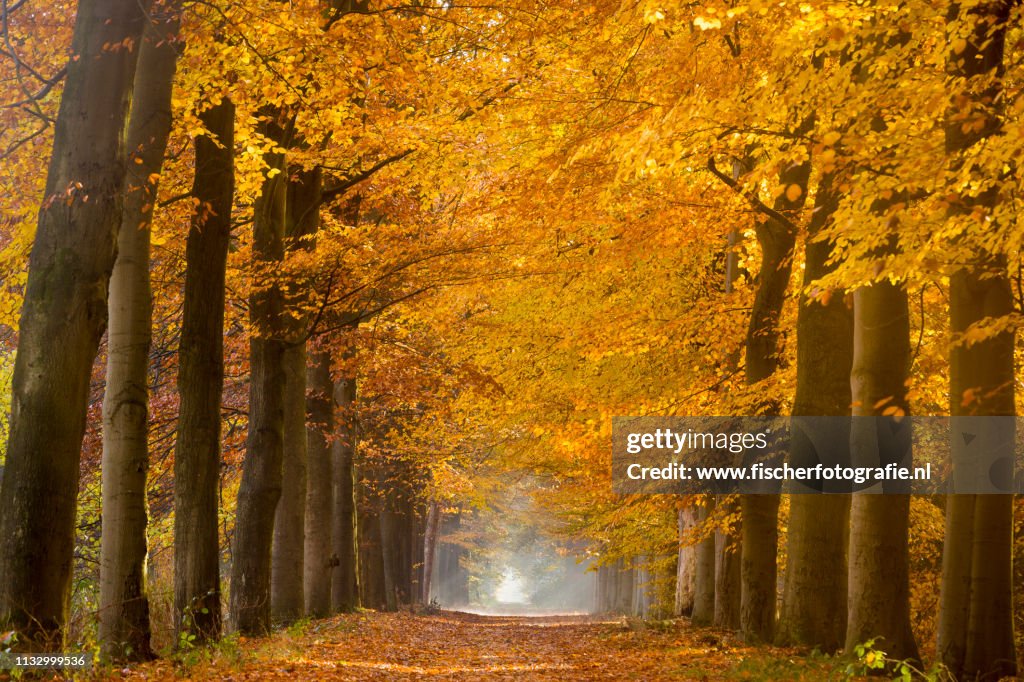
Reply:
x=124, y=604
x=63, y=317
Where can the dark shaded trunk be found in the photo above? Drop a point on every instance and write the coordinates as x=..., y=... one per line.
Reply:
x=260, y=488
x=124, y=631
x=975, y=635
x=760, y=535
x=879, y=587
x=287, y=557
x=62, y=319
x=318, y=565
x=429, y=547
x=703, y=612
x=345, y=584
x=813, y=611
x=287, y=599
x=197, y=606
x=390, y=551
x=727, y=571
x=371, y=560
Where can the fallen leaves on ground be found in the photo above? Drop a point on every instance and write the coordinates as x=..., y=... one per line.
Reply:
x=463, y=646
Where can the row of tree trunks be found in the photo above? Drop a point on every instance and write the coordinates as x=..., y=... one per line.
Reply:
x=124, y=630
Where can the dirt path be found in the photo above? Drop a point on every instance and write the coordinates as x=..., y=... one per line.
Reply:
x=460, y=646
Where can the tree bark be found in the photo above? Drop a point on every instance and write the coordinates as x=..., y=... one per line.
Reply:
x=429, y=547
x=760, y=535
x=814, y=594
x=686, y=562
x=727, y=573
x=287, y=560
x=345, y=587
x=62, y=319
x=318, y=565
x=975, y=637
x=197, y=607
x=124, y=606
x=260, y=488
x=703, y=612
x=287, y=600
x=879, y=588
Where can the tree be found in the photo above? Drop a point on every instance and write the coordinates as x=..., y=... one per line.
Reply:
x=63, y=317
x=124, y=604
x=814, y=592
x=975, y=636
x=260, y=489
x=197, y=607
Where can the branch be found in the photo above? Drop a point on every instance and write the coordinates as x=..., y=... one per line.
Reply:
x=750, y=196
x=348, y=182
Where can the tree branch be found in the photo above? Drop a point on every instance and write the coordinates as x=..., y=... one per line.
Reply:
x=752, y=197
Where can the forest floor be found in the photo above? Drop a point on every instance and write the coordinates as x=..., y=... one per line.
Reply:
x=462, y=646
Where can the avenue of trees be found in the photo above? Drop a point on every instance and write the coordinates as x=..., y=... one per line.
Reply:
x=293, y=294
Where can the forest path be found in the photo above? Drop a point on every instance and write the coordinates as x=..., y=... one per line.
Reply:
x=462, y=646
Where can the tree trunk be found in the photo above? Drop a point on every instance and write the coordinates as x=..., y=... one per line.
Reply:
x=124, y=606
x=686, y=562
x=287, y=558
x=371, y=560
x=388, y=540
x=62, y=319
x=727, y=572
x=975, y=635
x=318, y=565
x=703, y=612
x=345, y=587
x=429, y=546
x=260, y=489
x=287, y=600
x=879, y=588
x=760, y=534
x=814, y=595
x=197, y=608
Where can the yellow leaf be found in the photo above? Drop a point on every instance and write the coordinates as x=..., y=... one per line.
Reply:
x=793, y=192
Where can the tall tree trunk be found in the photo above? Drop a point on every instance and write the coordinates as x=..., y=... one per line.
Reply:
x=760, y=534
x=371, y=560
x=345, y=587
x=429, y=547
x=703, y=612
x=124, y=606
x=727, y=572
x=879, y=588
x=318, y=565
x=686, y=561
x=260, y=488
x=287, y=600
x=975, y=635
x=814, y=595
x=197, y=608
x=389, y=539
x=62, y=320
x=287, y=558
